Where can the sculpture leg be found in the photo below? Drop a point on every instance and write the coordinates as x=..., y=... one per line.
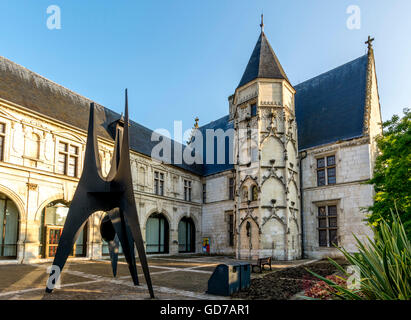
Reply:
x=130, y=215
x=126, y=241
x=76, y=219
x=113, y=247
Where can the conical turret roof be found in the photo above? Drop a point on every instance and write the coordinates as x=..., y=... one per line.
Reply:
x=263, y=63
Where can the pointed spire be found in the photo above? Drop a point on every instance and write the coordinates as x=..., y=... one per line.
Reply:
x=263, y=62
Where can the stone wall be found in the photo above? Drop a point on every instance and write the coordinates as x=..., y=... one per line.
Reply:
x=349, y=194
x=216, y=211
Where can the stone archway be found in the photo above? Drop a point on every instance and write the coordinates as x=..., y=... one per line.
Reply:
x=157, y=234
x=249, y=238
x=52, y=219
x=186, y=235
x=9, y=227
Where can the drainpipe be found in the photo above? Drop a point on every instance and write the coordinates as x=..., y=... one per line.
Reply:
x=304, y=155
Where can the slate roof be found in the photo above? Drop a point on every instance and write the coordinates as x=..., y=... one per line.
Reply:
x=34, y=92
x=263, y=63
x=224, y=124
x=331, y=106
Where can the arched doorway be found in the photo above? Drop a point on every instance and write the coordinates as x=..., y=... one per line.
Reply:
x=52, y=221
x=9, y=228
x=186, y=235
x=157, y=234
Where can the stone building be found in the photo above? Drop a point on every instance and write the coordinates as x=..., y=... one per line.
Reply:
x=289, y=182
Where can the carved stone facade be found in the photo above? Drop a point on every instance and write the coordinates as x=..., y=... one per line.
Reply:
x=267, y=197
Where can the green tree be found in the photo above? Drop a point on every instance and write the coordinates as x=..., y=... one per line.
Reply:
x=392, y=179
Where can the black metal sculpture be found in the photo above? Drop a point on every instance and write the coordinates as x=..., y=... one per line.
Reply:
x=112, y=194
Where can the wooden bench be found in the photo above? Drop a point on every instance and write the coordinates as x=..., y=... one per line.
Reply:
x=261, y=262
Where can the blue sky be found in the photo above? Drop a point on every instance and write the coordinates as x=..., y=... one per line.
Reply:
x=182, y=59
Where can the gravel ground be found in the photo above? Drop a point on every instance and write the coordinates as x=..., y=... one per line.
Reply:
x=283, y=284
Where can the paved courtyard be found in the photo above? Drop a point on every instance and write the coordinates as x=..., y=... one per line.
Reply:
x=173, y=277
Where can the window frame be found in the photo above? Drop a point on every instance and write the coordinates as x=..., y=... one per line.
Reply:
x=68, y=155
x=325, y=168
x=159, y=183
x=3, y=141
x=187, y=190
x=328, y=228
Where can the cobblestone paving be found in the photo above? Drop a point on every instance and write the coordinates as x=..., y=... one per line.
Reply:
x=173, y=277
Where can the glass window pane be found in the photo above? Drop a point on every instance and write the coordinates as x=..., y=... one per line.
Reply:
x=152, y=236
x=2, y=128
x=331, y=161
x=320, y=163
x=333, y=237
x=80, y=244
x=1, y=147
x=63, y=146
x=61, y=163
x=253, y=109
x=322, y=223
x=72, y=167
x=321, y=211
x=332, y=210
x=182, y=236
x=2, y=211
x=321, y=177
x=162, y=188
x=73, y=149
x=331, y=175
x=56, y=214
x=323, y=238
x=332, y=222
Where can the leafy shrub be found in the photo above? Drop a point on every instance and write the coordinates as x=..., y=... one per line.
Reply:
x=384, y=263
